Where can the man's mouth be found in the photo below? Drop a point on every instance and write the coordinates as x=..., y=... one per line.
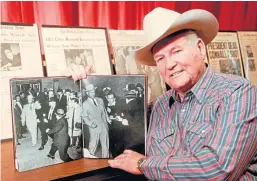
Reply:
x=176, y=73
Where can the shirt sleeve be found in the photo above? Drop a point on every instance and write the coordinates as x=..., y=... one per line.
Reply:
x=227, y=153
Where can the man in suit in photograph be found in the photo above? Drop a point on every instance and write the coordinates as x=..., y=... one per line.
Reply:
x=17, y=120
x=62, y=100
x=51, y=111
x=61, y=139
x=95, y=116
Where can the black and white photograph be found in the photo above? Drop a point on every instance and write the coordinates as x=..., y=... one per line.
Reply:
x=251, y=64
x=10, y=57
x=80, y=57
x=46, y=121
x=125, y=63
x=113, y=115
x=230, y=66
x=249, y=51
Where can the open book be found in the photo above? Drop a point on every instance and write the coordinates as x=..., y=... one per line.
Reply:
x=58, y=120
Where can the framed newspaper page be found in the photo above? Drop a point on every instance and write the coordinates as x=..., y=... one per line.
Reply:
x=65, y=47
x=224, y=54
x=124, y=43
x=20, y=57
x=248, y=45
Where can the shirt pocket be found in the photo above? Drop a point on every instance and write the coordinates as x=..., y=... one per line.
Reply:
x=197, y=136
x=163, y=139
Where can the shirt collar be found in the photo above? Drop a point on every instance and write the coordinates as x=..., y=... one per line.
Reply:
x=198, y=90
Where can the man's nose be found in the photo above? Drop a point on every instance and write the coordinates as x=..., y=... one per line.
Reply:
x=170, y=64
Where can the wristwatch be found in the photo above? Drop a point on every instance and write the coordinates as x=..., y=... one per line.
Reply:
x=140, y=162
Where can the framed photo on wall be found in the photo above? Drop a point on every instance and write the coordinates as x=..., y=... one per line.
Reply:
x=248, y=46
x=224, y=54
x=124, y=43
x=65, y=47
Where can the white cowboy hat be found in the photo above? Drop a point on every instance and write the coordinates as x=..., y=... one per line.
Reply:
x=90, y=87
x=161, y=22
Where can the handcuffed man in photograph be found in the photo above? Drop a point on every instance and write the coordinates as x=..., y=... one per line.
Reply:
x=61, y=139
x=205, y=126
x=95, y=116
x=29, y=117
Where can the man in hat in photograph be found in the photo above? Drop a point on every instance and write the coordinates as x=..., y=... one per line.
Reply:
x=61, y=139
x=95, y=117
x=204, y=127
x=62, y=100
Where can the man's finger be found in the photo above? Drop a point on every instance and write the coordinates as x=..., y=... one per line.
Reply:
x=121, y=156
x=128, y=151
x=116, y=163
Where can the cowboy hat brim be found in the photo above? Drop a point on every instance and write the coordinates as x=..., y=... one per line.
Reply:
x=203, y=22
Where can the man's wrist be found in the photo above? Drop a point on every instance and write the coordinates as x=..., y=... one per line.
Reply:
x=140, y=163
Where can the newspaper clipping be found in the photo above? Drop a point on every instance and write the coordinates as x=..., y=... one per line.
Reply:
x=66, y=47
x=20, y=56
x=248, y=45
x=224, y=54
x=124, y=43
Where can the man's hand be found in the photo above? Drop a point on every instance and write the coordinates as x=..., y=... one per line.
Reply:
x=93, y=125
x=125, y=122
x=47, y=130
x=77, y=73
x=127, y=161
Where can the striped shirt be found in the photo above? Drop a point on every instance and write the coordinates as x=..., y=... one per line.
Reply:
x=210, y=135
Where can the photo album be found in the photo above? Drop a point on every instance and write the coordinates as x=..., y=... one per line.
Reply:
x=58, y=120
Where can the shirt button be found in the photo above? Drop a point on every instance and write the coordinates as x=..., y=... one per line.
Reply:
x=203, y=131
x=183, y=110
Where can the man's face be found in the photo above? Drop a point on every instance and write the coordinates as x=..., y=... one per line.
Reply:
x=50, y=94
x=22, y=95
x=110, y=98
x=30, y=100
x=180, y=61
x=78, y=60
x=91, y=94
x=8, y=54
x=18, y=98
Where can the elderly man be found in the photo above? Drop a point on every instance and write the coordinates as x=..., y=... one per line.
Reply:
x=205, y=127
x=96, y=118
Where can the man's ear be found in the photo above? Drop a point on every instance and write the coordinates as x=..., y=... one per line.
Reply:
x=201, y=46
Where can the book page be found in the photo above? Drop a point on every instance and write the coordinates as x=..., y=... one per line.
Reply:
x=113, y=115
x=248, y=45
x=20, y=57
x=124, y=42
x=66, y=47
x=224, y=54
x=47, y=120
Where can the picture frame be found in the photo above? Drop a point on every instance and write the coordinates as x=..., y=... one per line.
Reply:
x=65, y=46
